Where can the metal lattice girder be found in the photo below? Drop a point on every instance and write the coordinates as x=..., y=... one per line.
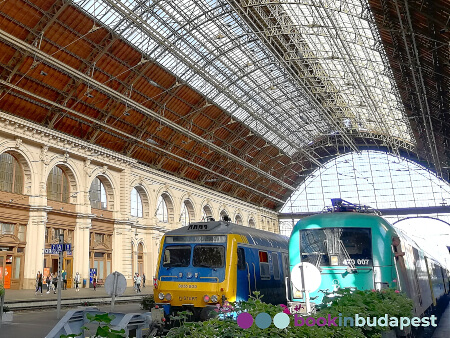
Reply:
x=254, y=103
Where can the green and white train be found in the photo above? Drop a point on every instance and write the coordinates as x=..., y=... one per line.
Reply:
x=363, y=251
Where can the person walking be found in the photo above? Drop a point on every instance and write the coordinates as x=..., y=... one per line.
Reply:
x=94, y=282
x=134, y=281
x=138, y=284
x=143, y=280
x=38, y=282
x=77, y=281
x=48, y=281
x=55, y=282
x=64, y=277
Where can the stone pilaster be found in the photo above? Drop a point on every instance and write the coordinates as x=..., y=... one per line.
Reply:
x=34, y=254
x=81, y=245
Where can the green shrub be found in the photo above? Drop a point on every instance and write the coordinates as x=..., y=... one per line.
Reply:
x=147, y=302
x=369, y=303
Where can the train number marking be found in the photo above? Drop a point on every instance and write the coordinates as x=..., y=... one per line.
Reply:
x=185, y=286
x=358, y=261
x=186, y=298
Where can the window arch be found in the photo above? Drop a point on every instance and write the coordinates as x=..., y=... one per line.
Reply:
x=238, y=219
x=251, y=223
x=11, y=174
x=223, y=213
x=187, y=213
x=136, y=203
x=162, y=213
x=58, y=186
x=207, y=212
x=97, y=195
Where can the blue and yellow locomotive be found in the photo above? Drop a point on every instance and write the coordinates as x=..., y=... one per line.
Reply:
x=353, y=249
x=206, y=263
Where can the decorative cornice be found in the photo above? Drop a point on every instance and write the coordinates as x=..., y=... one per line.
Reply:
x=67, y=144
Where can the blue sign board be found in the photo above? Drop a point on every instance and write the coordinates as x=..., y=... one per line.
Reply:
x=92, y=272
x=54, y=252
x=61, y=247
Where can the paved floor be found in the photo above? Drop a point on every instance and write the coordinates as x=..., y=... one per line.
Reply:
x=443, y=329
x=38, y=324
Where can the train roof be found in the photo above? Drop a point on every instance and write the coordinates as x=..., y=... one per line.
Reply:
x=254, y=236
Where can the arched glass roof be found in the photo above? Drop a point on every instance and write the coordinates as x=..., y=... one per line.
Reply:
x=327, y=76
x=376, y=179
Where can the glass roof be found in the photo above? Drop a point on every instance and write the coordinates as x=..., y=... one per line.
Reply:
x=208, y=46
x=338, y=34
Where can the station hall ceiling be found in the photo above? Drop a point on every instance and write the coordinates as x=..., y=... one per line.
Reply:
x=244, y=97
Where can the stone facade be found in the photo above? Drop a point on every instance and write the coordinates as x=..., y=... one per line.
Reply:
x=128, y=244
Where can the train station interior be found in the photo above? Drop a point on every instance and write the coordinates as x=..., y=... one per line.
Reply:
x=123, y=120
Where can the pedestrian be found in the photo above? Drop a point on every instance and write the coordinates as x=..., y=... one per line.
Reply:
x=64, y=277
x=55, y=282
x=134, y=281
x=138, y=283
x=77, y=281
x=48, y=281
x=38, y=282
x=94, y=282
x=143, y=280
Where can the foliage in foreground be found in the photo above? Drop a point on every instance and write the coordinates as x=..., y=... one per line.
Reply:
x=347, y=302
x=102, y=331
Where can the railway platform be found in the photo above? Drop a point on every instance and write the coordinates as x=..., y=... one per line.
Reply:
x=18, y=300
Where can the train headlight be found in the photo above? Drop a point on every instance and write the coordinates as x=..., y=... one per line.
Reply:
x=168, y=296
x=334, y=260
x=214, y=298
x=189, y=275
x=206, y=298
x=161, y=295
x=297, y=293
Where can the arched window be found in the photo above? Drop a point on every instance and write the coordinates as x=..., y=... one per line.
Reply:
x=161, y=210
x=97, y=195
x=251, y=223
x=11, y=174
x=206, y=213
x=58, y=185
x=184, y=217
x=136, y=203
x=223, y=213
x=238, y=219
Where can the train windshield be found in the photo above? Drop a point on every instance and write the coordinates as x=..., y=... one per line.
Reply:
x=177, y=256
x=336, y=246
x=209, y=256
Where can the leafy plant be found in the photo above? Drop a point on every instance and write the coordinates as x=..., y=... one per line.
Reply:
x=147, y=302
x=369, y=303
x=102, y=331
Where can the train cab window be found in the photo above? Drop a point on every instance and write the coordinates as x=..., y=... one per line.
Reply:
x=177, y=256
x=209, y=256
x=336, y=246
x=264, y=269
x=241, y=259
x=276, y=266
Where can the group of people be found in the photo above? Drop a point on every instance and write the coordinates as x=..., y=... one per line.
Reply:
x=52, y=282
x=137, y=282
